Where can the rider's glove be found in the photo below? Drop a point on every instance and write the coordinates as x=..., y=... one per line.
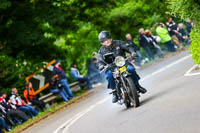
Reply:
x=101, y=67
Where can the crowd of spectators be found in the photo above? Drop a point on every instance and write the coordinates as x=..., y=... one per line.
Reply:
x=173, y=36
x=15, y=110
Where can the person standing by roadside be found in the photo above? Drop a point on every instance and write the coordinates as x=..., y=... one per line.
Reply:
x=165, y=38
x=172, y=29
x=144, y=42
x=136, y=48
x=154, y=46
x=182, y=34
x=57, y=70
x=189, y=26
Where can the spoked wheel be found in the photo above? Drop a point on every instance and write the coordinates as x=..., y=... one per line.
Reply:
x=132, y=92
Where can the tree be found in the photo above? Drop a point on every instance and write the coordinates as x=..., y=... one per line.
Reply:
x=189, y=9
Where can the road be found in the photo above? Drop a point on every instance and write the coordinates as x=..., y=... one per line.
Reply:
x=171, y=105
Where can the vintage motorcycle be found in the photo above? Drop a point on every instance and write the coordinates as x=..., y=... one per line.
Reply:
x=126, y=91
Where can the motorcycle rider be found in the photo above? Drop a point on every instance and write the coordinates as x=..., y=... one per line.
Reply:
x=118, y=48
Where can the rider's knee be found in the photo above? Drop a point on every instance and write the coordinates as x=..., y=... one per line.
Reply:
x=131, y=68
x=109, y=74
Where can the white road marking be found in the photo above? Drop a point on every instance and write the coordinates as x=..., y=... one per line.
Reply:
x=166, y=67
x=71, y=121
x=65, y=126
x=188, y=73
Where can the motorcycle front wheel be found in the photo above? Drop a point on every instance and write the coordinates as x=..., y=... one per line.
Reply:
x=132, y=92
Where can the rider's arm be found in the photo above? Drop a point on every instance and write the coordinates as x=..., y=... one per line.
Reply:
x=125, y=47
x=100, y=60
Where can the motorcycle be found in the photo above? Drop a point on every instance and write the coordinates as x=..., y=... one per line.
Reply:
x=126, y=91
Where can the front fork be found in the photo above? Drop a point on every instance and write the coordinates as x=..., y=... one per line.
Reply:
x=123, y=89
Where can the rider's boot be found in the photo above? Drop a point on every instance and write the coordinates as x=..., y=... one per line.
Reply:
x=114, y=99
x=141, y=89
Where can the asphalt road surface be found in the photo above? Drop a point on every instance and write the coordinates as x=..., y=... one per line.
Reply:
x=171, y=105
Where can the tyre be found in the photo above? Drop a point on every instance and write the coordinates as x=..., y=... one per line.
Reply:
x=127, y=104
x=132, y=92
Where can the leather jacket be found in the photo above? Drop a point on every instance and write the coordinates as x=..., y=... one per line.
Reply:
x=118, y=48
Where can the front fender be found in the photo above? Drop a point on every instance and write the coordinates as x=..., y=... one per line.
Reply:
x=126, y=74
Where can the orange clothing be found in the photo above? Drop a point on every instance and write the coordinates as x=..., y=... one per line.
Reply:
x=29, y=94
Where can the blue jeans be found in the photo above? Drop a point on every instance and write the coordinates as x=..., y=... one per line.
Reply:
x=85, y=79
x=66, y=86
x=111, y=80
x=3, y=124
x=29, y=109
x=62, y=92
x=139, y=57
x=149, y=52
x=170, y=46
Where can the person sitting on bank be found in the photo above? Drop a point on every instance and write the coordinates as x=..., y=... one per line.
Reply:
x=56, y=87
x=30, y=97
x=76, y=76
x=57, y=70
x=17, y=102
x=10, y=113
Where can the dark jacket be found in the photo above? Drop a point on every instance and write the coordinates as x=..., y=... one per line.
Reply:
x=59, y=72
x=182, y=32
x=118, y=48
x=152, y=41
x=143, y=40
x=132, y=44
x=172, y=28
x=188, y=27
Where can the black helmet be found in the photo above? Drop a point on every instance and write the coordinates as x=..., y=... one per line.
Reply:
x=104, y=35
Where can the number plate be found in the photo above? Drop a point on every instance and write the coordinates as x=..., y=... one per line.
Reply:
x=123, y=69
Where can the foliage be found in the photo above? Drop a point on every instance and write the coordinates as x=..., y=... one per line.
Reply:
x=37, y=31
x=189, y=9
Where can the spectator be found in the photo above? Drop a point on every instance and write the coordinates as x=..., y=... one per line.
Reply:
x=182, y=34
x=136, y=48
x=144, y=42
x=165, y=38
x=9, y=113
x=189, y=26
x=95, y=61
x=76, y=76
x=3, y=125
x=57, y=70
x=17, y=102
x=30, y=96
x=172, y=29
x=57, y=87
x=153, y=43
x=93, y=72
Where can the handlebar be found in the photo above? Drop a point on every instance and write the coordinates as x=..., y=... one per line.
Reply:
x=111, y=65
